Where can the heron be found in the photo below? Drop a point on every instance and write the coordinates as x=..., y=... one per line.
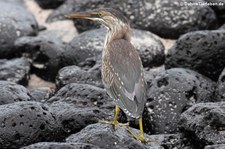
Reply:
x=122, y=69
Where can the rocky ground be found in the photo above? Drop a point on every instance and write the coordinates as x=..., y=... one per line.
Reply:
x=51, y=94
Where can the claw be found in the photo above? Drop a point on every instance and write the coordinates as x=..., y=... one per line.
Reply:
x=141, y=137
x=113, y=123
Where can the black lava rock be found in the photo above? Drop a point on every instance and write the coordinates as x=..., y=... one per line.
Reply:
x=41, y=94
x=14, y=24
x=166, y=18
x=15, y=70
x=150, y=48
x=86, y=45
x=49, y=4
x=170, y=19
x=220, y=90
x=73, y=119
x=203, y=123
x=11, y=92
x=75, y=74
x=104, y=136
x=24, y=123
x=219, y=8
x=60, y=145
x=222, y=27
x=69, y=7
x=169, y=94
x=78, y=105
x=45, y=52
x=222, y=18
x=218, y=146
x=203, y=51
x=90, y=44
x=85, y=96
x=93, y=63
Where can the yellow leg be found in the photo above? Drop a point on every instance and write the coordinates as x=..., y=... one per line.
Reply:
x=141, y=137
x=117, y=112
x=115, y=122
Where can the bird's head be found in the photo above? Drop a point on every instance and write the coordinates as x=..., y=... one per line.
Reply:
x=109, y=17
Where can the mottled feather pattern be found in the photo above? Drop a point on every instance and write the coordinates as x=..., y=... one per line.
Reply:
x=121, y=63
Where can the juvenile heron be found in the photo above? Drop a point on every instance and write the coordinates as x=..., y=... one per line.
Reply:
x=122, y=70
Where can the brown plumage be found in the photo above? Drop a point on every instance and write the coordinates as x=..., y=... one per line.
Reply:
x=122, y=75
x=122, y=70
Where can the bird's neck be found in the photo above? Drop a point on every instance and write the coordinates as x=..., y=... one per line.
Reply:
x=116, y=33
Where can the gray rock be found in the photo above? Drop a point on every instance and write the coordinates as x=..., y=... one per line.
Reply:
x=221, y=18
x=203, y=123
x=78, y=105
x=91, y=63
x=41, y=94
x=14, y=24
x=24, y=123
x=219, y=8
x=60, y=145
x=104, y=136
x=168, y=18
x=220, y=90
x=75, y=74
x=85, y=96
x=150, y=48
x=49, y=4
x=150, y=74
x=45, y=53
x=15, y=70
x=73, y=119
x=85, y=45
x=202, y=51
x=222, y=27
x=90, y=44
x=169, y=94
x=218, y=146
x=11, y=92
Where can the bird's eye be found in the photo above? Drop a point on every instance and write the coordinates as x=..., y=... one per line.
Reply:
x=99, y=14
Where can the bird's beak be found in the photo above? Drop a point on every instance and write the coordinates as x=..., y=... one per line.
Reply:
x=82, y=15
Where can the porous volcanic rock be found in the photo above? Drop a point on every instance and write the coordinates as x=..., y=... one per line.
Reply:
x=75, y=74
x=11, y=92
x=90, y=44
x=202, y=51
x=78, y=105
x=60, y=145
x=15, y=21
x=104, y=136
x=24, y=123
x=167, y=18
x=46, y=54
x=170, y=93
x=203, y=123
x=15, y=70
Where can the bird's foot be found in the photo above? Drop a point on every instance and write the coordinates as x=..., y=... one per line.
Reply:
x=141, y=137
x=113, y=123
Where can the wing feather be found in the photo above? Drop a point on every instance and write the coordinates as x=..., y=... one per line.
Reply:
x=128, y=84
